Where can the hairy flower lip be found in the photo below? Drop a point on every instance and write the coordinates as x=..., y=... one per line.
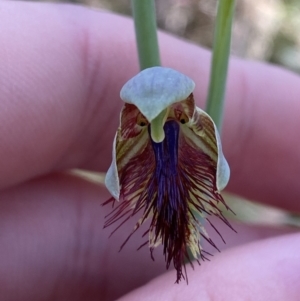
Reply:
x=172, y=174
x=166, y=156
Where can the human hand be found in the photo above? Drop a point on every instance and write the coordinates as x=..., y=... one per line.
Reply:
x=62, y=68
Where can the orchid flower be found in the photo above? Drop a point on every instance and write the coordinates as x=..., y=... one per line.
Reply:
x=167, y=164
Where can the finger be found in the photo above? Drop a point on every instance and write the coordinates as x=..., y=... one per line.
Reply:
x=265, y=270
x=62, y=68
x=53, y=245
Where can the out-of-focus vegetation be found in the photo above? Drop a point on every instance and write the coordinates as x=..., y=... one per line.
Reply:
x=263, y=29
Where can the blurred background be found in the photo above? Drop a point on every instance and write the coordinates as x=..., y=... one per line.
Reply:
x=266, y=30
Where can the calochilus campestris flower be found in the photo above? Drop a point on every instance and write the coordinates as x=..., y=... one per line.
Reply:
x=167, y=164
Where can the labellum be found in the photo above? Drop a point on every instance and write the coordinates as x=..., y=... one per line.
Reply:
x=167, y=165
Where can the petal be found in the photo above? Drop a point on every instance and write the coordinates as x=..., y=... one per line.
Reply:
x=154, y=89
x=111, y=181
x=223, y=170
x=130, y=139
x=205, y=135
x=134, y=176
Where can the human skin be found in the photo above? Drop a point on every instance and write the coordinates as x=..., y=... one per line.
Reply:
x=61, y=70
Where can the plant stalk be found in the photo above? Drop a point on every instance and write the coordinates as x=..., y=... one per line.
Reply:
x=146, y=32
x=220, y=58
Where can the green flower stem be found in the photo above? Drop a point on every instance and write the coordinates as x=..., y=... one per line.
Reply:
x=146, y=36
x=145, y=31
x=221, y=50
